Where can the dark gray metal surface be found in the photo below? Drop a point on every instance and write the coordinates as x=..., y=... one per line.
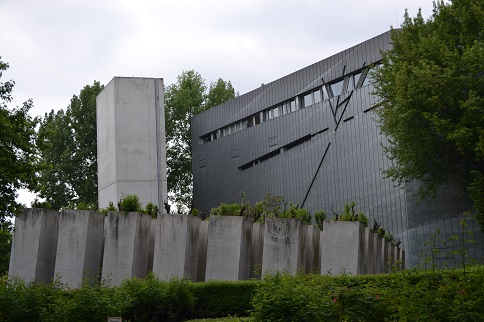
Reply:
x=322, y=155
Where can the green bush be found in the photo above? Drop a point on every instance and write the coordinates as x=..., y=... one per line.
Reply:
x=109, y=208
x=130, y=203
x=320, y=217
x=219, y=298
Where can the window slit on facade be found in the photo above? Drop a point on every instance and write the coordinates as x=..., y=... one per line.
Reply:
x=329, y=90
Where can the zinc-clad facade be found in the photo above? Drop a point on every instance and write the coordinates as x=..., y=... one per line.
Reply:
x=311, y=137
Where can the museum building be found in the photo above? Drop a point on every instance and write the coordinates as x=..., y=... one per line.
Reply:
x=312, y=137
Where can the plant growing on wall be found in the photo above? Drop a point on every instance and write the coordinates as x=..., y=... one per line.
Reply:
x=130, y=203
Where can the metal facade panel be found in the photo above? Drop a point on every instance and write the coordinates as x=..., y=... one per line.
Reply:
x=286, y=155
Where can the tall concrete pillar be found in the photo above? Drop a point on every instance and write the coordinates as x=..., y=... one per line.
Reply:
x=312, y=253
x=257, y=250
x=34, y=245
x=126, y=246
x=284, y=246
x=342, y=249
x=176, y=246
x=131, y=142
x=202, y=250
x=228, y=248
x=79, y=246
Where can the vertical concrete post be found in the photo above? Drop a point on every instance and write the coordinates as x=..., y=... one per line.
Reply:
x=257, y=250
x=228, y=248
x=126, y=246
x=376, y=264
x=342, y=247
x=284, y=245
x=34, y=245
x=202, y=250
x=390, y=256
x=79, y=246
x=176, y=252
x=384, y=256
x=312, y=262
x=368, y=253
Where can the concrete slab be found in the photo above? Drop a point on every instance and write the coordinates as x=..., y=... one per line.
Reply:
x=312, y=252
x=342, y=247
x=368, y=253
x=228, y=248
x=79, y=247
x=257, y=250
x=34, y=245
x=202, y=250
x=126, y=246
x=284, y=246
x=176, y=246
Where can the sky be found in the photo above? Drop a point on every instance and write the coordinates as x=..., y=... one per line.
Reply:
x=56, y=47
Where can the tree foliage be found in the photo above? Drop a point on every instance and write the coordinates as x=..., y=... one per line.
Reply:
x=17, y=151
x=17, y=156
x=67, y=142
x=431, y=86
x=184, y=99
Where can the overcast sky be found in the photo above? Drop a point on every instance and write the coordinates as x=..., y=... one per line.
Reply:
x=56, y=47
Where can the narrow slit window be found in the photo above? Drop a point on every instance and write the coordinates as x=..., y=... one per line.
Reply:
x=317, y=96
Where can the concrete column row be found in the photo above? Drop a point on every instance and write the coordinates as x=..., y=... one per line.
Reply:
x=81, y=245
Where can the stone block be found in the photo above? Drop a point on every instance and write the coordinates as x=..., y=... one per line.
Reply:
x=368, y=253
x=126, y=246
x=176, y=246
x=228, y=248
x=34, y=245
x=284, y=246
x=311, y=256
x=202, y=250
x=257, y=250
x=79, y=246
x=342, y=245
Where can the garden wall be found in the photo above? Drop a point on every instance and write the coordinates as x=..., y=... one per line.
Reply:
x=80, y=245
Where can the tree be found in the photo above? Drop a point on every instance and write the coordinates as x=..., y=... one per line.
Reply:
x=67, y=142
x=17, y=156
x=184, y=99
x=431, y=90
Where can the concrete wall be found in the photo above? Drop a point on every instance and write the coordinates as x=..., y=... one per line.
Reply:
x=228, y=248
x=72, y=243
x=342, y=247
x=126, y=246
x=284, y=244
x=34, y=244
x=131, y=140
x=176, y=246
x=79, y=246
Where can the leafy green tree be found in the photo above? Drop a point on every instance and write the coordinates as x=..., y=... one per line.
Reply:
x=17, y=158
x=67, y=142
x=184, y=99
x=431, y=89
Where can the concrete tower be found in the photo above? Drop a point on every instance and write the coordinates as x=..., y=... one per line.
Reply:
x=131, y=140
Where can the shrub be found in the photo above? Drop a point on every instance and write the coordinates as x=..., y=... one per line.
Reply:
x=320, y=217
x=217, y=299
x=151, y=209
x=109, y=208
x=130, y=203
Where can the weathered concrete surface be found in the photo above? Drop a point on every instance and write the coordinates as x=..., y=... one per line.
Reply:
x=34, y=245
x=202, y=250
x=126, y=246
x=377, y=254
x=284, y=244
x=342, y=247
x=384, y=256
x=131, y=140
x=312, y=252
x=228, y=248
x=176, y=253
x=79, y=246
x=368, y=254
x=257, y=250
